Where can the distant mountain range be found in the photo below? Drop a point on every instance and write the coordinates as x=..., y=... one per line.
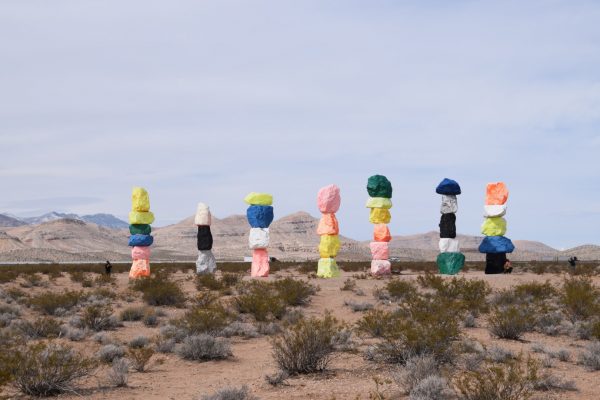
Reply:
x=106, y=220
x=68, y=237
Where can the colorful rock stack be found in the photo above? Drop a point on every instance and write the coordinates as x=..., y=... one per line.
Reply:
x=495, y=245
x=450, y=260
x=380, y=202
x=140, y=240
x=328, y=201
x=260, y=216
x=206, y=263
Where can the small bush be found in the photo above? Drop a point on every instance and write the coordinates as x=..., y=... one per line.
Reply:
x=204, y=348
x=138, y=342
x=210, y=320
x=260, y=300
x=358, y=307
x=511, y=381
x=416, y=369
x=159, y=290
x=294, y=292
x=306, y=346
x=535, y=291
x=349, y=284
x=208, y=281
x=139, y=357
x=132, y=314
x=579, y=296
x=164, y=345
x=205, y=299
x=591, y=356
x=40, y=328
x=50, y=302
x=375, y=322
x=400, y=290
x=118, y=375
x=231, y=393
x=499, y=354
x=109, y=352
x=241, y=329
x=550, y=382
x=277, y=379
x=49, y=369
x=150, y=317
x=432, y=387
x=98, y=317
x=511, y=322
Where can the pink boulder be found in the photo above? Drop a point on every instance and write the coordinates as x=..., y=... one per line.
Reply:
x=381, y=267
x=379, y=250
x=140, y=253
x=328, y=199
x=260, y=263
x=328, y=225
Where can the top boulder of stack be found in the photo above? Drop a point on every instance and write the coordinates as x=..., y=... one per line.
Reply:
x=448, y=187
x=379, y=186
x=203, y=216
x=328, y=199
x=259, y=199
x=140, y=201
x=496, y=194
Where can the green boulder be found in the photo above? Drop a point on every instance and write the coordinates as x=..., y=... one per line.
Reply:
x=140, y=229
x=450, y=263
x=379, y=186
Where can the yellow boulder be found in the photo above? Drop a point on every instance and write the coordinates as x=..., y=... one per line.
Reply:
x=329, y=246
x=259, y=199
x=140, y=217
x=379, y=202
x=328, y=268
x=140, y=201
x=380, y=216
x=495, y=226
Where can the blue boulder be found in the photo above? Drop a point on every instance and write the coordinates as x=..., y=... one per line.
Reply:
x=496, y=244
x=448, y=187
x=260, y=216
x=141, y=240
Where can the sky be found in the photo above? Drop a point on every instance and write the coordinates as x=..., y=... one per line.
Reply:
x=209, y=100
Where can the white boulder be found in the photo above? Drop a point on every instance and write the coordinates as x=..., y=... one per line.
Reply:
x=202, y=215
x=448, y=245
x=259, y=238
x=449, y=204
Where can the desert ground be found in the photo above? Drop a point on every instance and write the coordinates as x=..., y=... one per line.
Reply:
x=559, y=348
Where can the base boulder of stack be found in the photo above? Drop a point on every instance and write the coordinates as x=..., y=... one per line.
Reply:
x=328, y=268
x=139, y=269
x=260, y=263
x=450, y=263
x=494, y=263
x=381, y=267
x=206, y=262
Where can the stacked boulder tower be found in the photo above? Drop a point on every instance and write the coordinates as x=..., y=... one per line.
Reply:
x=206, y=263
x=450, y=260
x=495, y=245
x=380, y=203
x=328, y=201
x=260, y=216
x=140, y=240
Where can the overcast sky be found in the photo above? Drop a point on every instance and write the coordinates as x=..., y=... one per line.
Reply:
x=209, y=100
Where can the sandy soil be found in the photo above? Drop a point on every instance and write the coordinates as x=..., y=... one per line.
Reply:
x=350, y=376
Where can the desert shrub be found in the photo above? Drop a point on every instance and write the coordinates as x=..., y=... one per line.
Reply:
x=205, y=299
x=349, y=284
x=590, y=357
x=276, y=379
x=579, y=296
x=535, y=291
x=511, y=322
x=430, y=281
x=77, y=276
x=132, y=313
x=204, y=348
x=375, y=322
x=98, y=317
x=45, y=327
x=164, y=344
x=208, y=281
x=138, y=342
x=15, y=294
x=50, y=302
x=432, y=387
x=420, y=326
x=294, y=292
x=260, y=300
x=511, y=381
x=399, y=289
x=242, y=329
x=231, y=393
x=150, y=317
x=306, y=346
x=230, y=279
x=32, y=280
x=210, y=320
x=416, y=369
x=109, y=352
x=8, y=276
x=550, y=382
x=104, y=280
x=47, y=369
x=358, y=307
x=102, y=294
x=499, y=354
x=139, y=357
x=159, y=290
x=469, y=294
x=118, y=374
x=73, y=334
